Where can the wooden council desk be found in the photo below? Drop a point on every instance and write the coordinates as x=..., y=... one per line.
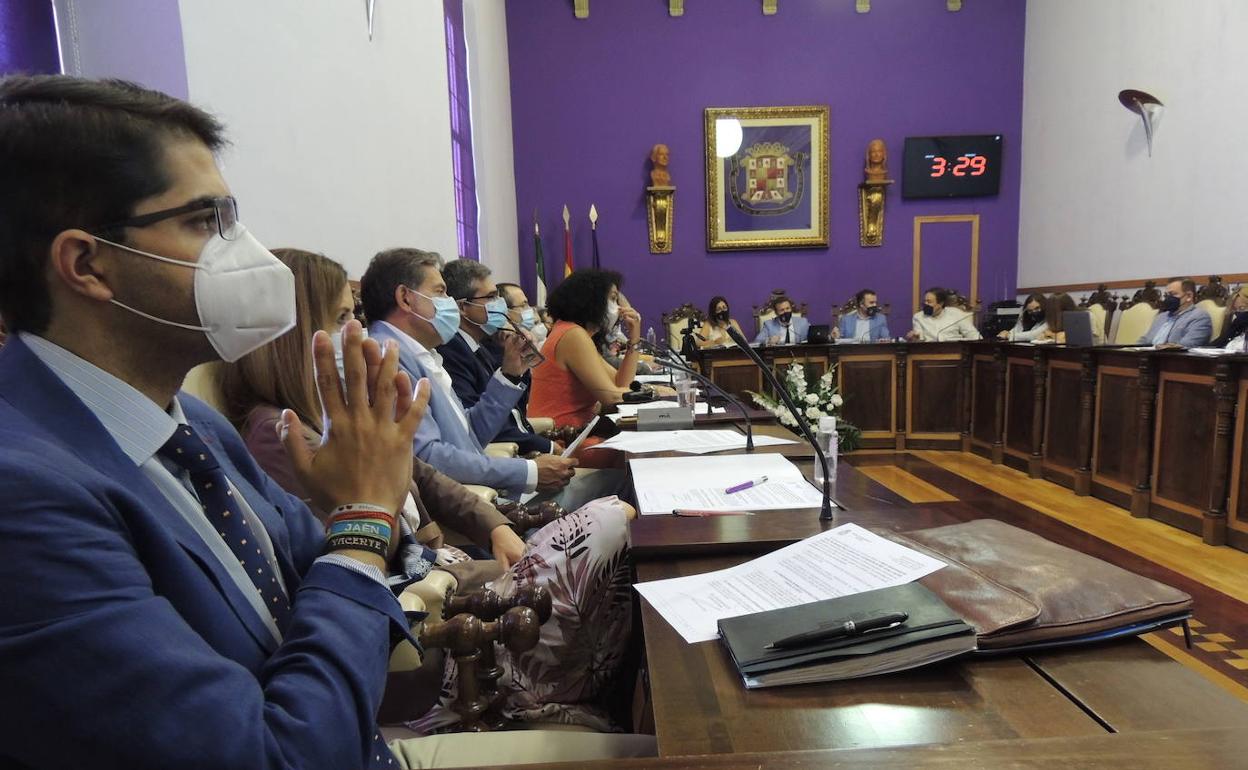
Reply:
x=1075, y=697
x=1162, y=434
x=700, y=706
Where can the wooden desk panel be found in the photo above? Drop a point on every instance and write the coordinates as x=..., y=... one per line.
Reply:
x=737, y=375
x=1103, y=420
x=1183, y=448
x=868, y=383
x=701, y=707
x=1109, y=681
x=983, y=400
x=1116, y=439
x=1210, y=749
x=1237, y=516
x=934, y=400
x=1020, y=405
x=1061, y=427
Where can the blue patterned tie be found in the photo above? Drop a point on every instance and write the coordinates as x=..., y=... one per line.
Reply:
x=187, y=451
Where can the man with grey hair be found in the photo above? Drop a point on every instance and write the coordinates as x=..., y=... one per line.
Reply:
x=476, y=353
x=406, y=301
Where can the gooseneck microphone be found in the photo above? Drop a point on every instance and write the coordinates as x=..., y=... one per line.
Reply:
x=825, y=514
x=671, y=364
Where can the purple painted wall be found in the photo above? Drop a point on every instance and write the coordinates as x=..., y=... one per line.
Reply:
x=590, y=97
x=139, y=40
x=28, y=38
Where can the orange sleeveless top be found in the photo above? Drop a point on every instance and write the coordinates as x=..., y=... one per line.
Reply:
x=556, y=392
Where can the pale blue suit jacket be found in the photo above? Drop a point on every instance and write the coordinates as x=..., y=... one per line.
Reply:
x=879, y=327
x=773, y=328
x=1191, y=330
x=442, y=440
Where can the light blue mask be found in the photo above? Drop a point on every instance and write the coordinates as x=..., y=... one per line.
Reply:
x=528, y=319
x=445, y=315
x=495, y=315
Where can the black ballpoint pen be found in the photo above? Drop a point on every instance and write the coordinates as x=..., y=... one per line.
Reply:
x=839, y=630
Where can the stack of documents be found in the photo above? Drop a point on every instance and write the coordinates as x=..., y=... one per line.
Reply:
x=842, y=561
x=699, y=483
x=690, y=441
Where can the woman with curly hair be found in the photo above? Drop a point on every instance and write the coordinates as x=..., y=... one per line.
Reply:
x=575, y=379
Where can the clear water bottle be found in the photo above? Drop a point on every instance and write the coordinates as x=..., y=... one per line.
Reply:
x=650, y=337
x=826, y=437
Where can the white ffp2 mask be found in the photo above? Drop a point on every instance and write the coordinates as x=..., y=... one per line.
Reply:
x=244, y=295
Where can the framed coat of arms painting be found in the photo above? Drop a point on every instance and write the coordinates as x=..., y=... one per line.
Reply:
x=766, y=177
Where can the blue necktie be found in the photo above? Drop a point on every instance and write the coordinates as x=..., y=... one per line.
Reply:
x=187, y=451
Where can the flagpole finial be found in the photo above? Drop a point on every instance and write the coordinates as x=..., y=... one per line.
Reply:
x=567, y=217
x=536, y=229
x=593, y=215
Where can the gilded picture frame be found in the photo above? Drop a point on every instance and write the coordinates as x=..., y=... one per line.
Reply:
x=771, y=191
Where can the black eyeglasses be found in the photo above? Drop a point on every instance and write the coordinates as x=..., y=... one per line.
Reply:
x=225, y=212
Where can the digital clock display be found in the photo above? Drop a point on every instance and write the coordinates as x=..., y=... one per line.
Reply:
x=951, y=166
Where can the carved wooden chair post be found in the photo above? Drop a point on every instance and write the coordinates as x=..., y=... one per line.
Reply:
x=676, y=322
x=465, y=636
x=489, y=606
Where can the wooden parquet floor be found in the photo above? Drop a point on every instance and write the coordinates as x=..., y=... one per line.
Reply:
x=1216, y=577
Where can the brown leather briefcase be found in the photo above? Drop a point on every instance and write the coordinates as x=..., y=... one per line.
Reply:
x=1016, y=588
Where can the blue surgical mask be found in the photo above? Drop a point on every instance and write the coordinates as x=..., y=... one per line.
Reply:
x=528, y=319
x=495, y=315
x=445, y=315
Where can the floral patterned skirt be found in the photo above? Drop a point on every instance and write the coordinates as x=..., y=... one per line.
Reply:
x=582, y=559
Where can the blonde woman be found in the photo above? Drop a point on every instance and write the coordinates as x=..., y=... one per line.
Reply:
x=581, y=558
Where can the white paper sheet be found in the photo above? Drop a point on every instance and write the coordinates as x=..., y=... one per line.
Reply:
x=690, y=441
x=630, y=410
x=839, y=562
x=698, y=483
x=661, y=378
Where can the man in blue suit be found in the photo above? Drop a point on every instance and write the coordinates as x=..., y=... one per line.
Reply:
x=131, y=633
x=866, y=323
x=405, y=298
x=1180, y=324
x=784, y=328
x=166, y=604
x=468, y=358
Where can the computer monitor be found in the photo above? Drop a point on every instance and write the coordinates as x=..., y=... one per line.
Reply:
x=1078, y=327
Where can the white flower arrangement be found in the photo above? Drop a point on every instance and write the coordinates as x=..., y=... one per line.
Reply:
x=821, y=400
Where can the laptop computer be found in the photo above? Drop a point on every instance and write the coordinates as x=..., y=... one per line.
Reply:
x=1078, y=327
x=819, y=334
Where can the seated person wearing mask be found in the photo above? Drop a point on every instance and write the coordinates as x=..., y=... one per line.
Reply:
x=405, y=297
x=939, y=323
x=784, y=328
x=714, y=333
x=1234, y=335
x=466, y=357
x=126, y=507
x=866, y=324
x=1031, y=324
x=575, y=381
x=1180, y=324
x=584, y=584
